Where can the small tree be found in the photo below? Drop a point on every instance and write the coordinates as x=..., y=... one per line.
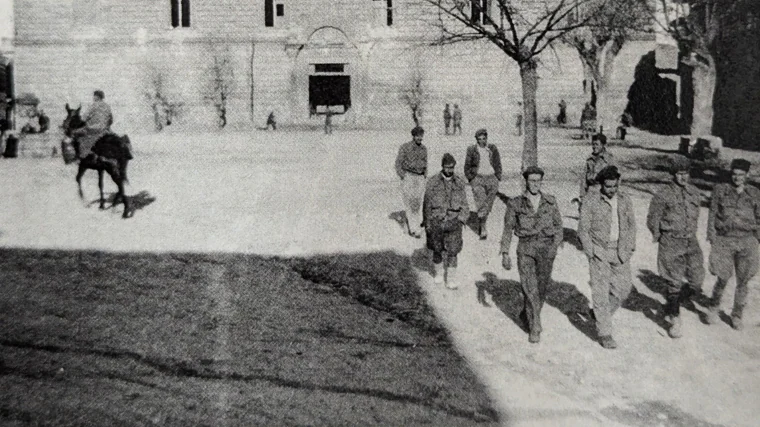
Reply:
x=522, y=30
x=599, y=41
x=165, y=105
x=220, y=83
x=415, y=93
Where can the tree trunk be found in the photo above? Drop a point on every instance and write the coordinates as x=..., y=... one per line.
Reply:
x=529, y=77
x=606, y=116
x=704, y=77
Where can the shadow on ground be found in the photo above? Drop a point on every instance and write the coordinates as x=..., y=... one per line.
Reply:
x=399, y=217
x=138, y=201
x=156, y=339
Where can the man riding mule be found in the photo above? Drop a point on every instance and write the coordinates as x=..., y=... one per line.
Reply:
x=99, y=149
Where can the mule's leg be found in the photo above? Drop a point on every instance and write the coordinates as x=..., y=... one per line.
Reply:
x=100, y=185
x=80, y=173
x=119, y=181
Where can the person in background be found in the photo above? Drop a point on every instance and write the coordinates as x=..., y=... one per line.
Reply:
x=457, y=118
x=411, y=168
x=447, y=118
x=98, y=121
x=482, y=168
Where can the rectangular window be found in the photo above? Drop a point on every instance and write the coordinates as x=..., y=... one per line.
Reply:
x=480, y=12
x=269, y=13
x=180, y=13
x=328, y=68
x=280, y=10
x=389, y=13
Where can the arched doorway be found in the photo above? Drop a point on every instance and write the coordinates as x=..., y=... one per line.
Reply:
x=326, y=75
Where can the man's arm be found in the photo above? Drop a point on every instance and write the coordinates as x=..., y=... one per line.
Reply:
x=714, y=203
x=559, y=229
x=464, y=208
x=497, y=162
x=510, y=220
x=654, y=216
x=469, y=164
x=400, y=162
x=584, y=228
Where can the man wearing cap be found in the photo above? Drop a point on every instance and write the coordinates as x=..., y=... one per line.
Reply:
x=533, y=217
x=672, y=219
x=607, y=231
x=411, y=168
x=600, y=158
x=733, y=229
x=445, y=209
x=482, y=168
x=98, y=121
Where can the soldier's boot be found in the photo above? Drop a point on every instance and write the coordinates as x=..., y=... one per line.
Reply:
x=713, y=311
x=482, y=228
x=439, y=270
x=736, y=316
x=451, y=278
x=672, y=309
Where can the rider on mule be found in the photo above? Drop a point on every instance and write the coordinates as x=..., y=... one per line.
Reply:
x=98, y=123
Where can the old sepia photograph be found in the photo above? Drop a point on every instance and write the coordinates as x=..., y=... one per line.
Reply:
x=519, y=213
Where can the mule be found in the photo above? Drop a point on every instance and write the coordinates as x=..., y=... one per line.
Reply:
x=110, y=154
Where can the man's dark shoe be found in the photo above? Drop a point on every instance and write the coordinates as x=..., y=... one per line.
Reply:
x=534, y=337
x=608, y=342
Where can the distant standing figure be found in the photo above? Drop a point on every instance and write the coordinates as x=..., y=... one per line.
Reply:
x=447, y=118
x=444, y=211
x=457, y=117
x=588, y=120
x=607, y=231
x=535, y=218
x=271, y=121
x=672, y=219
x=482, y=168
x=98, y=121
x=519, y=119
x=411, y=168
x=733, y=230
x=43, y=121
x=328, y=122
x=562, y=116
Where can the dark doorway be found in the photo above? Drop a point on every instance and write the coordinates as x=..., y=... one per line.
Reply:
x=652, y=99
x=329, y=91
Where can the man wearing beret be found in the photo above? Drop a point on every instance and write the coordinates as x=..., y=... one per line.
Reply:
x=533, y=217
x=482, y=168
x=672, y=219
x=733, y=229
x=444, y=211
x=607, y=231
x=411, y=168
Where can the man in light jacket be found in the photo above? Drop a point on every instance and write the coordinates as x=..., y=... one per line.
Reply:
x=482, y=168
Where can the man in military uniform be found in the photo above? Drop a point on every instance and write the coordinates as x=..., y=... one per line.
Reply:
x=672, y=219
x=733, y=229
x=445, y=209
x=600, y=158
x=411, y=168
x=607, y=231
x=482, y=168
x=533, y=217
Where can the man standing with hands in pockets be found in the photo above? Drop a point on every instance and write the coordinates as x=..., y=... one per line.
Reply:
x=535, y=218
x=411, y=168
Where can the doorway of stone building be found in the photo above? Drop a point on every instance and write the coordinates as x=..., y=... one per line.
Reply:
x=333, y=92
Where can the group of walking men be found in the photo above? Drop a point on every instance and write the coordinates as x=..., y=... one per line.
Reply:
x=606, y=229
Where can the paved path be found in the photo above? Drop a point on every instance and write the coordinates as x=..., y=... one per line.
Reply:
x=307, y=193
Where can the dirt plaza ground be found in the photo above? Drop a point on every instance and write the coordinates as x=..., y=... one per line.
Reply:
x=230, y=199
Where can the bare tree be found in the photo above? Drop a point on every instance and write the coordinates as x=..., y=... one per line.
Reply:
x=696, y=25
x=165, y=105
x=220, y=83
x=599, y=41
x=415, y=93
x=522, y=30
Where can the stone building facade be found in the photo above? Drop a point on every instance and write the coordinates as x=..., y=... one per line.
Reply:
x=287, y=56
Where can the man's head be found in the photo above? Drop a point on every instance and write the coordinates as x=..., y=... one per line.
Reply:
x=598, y=143
x=98, y=95
x=482, y=137
x=609, y=179
x=534, y=177
x=680, y=171
x=739, y=171
x=447, y=163
x=417, y=134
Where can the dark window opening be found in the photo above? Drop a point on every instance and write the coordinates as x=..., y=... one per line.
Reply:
x=480, y=11
x=280, y=10
x=389, y=13
x=329, y=91
x=328, y=68
x=185, y=13
x=175, y=13
x=269, y=13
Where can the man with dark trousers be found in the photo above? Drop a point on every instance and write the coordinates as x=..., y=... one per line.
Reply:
x=445, y=210
x=411, y=168
x=607, y=231
x=533, y=217
x=672, y=220
x=482, y=168
x=733, y=230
